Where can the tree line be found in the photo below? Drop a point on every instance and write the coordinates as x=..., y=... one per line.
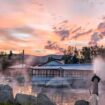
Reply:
x=84, y=55
x=8, y=59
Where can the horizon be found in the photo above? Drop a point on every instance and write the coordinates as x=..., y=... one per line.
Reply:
x=51, y=54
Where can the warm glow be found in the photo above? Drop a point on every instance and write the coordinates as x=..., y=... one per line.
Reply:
x=31, y=25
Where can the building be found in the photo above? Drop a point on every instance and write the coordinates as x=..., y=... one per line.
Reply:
x=52, y=71
x=55, y=73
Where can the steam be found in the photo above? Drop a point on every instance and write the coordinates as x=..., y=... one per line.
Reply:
x=18, y=77
x=99, y=69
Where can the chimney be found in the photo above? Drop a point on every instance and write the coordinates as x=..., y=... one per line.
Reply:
x=95, y=80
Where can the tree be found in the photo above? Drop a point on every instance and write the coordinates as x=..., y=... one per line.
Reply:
x=66, y=59
x=74, y=59
x=68, y=55
x=10, y=55
x=86, y=54
x=5, y=64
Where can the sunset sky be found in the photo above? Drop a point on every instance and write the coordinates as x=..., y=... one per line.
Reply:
x=43, y=27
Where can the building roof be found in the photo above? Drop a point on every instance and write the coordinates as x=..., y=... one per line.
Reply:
x=57, y=66
x=18, y=66
x=67, y=67
x=51, y=63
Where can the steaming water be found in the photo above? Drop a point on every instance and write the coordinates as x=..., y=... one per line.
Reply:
x=99, y=69
x=62, y=95
x=57, y=81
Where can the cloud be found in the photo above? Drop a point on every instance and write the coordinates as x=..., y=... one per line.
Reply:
x=101, y=27
x=95, y=37
x=27, y=38
x=13, y=36
x=76, y=30
x=25, y=29
x=53, y=46
x=27, y=24
x=99, y=35
x=5, y=35
x=63, y=33
x=16, y=39
x=77, y=43
x=81, y=34
x=16, y=13
x=62, y=29
x=21, y=36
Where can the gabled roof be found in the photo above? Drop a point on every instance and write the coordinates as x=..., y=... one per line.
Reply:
x=18, y=66
x=52, y=63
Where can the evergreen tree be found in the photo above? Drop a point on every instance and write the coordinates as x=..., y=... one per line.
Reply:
x=10, y=55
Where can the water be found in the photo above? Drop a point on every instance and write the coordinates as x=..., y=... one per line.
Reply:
x=63, y=96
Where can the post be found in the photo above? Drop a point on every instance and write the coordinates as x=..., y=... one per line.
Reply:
x=94, y=98
x=23, y=57
x=95, y=80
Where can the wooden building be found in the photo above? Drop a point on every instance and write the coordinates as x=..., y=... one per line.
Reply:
x=70, y=72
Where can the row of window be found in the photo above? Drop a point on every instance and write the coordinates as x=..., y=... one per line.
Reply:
x=47, y=72
x=60, y=73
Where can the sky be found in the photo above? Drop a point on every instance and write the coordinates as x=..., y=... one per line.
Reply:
x=43, y=27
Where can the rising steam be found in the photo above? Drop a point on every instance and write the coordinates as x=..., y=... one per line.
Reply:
x=99, y=69
x=18, y=79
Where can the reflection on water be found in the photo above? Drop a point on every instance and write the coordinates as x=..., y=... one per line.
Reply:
x=63, y=96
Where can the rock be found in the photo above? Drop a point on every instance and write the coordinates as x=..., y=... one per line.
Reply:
x=20, y=79
x=82, y=102
x=42, y=99
x=23, y=99
x=6, y=95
